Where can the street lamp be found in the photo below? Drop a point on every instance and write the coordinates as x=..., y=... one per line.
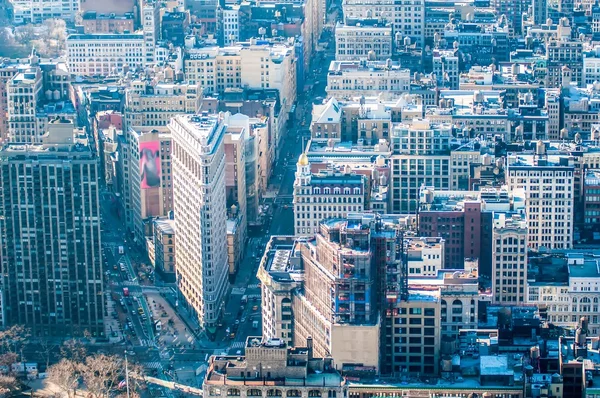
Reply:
x=126, y=375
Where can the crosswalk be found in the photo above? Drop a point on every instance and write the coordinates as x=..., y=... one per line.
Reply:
x=145, y=342
x=254, y=286
x=152, y=365
x=238, y=290
x=237, y=344
x=253, y=296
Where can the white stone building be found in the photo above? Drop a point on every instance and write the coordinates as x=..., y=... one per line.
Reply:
x=548, y=185
x=151, y=29
x=350, y=79
x=34, y=11
x=155, y=103
x=231, y=24
x=328, y=194
x=424, y=256
x=571, y=292
x=407, y=20
x=509, y=259
x=199, y=200
x=361, y=40
x=247, y=65
x=104, y=54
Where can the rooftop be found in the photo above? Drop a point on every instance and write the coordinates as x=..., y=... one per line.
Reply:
x=589, y=269
x=165, y=225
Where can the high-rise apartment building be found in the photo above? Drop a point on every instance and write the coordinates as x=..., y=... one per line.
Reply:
x=50, y=225
x=198, y=161
x=509, y=259
x=548, y=182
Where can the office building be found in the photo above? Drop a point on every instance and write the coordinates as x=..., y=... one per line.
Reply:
x=251, y=65
x=514, y=13
x=328, y=194
x=8, y=69
x=424, y=256
x=59, y=290
x=565, y=288
x=509, y=259
x=445, y=68
x=564, y=51
x=148, y=190
x=272, y=366
x=198, y=162
x=105, y=54
x=406, y=21
x=111, y=23
x=363, y=39
x=205, y=11
x=150, y=29
x=32, y=12
x=36, y=94
x=591, y=200
x=154, y=103
x=421, y=156
x=459, y=297
x=548, y=182
x=352, y=79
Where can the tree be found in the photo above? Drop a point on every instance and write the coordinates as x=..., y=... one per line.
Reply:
x=102, y=374
x=46, y=349
x=66, y=375
x=8, y=385
x=12, y=338
x=74, y=350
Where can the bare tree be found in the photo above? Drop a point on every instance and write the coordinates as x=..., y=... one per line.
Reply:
x=8, y=385
x=102, y=374
x=12, y=338
x=74, y=350
x=46, y=349
x=66, y=375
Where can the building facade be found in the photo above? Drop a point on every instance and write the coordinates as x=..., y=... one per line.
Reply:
x=328, y=194
x=509, y=259
x=548, y=184
x=198, y=156
x=51, y=246
x=104, y=54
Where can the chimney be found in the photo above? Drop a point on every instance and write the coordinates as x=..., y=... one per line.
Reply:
x=309, y=345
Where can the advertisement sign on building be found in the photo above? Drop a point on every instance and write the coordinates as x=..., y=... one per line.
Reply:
x=150, y=172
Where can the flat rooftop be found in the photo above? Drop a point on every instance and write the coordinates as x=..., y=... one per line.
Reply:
x=589, y=269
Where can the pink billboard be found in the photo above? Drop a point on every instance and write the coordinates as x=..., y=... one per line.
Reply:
x=150, y=164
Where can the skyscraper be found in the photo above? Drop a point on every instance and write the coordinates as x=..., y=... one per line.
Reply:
x=198, y=164
x=50, y=232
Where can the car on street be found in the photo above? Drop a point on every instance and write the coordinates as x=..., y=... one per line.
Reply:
x=255, y=308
